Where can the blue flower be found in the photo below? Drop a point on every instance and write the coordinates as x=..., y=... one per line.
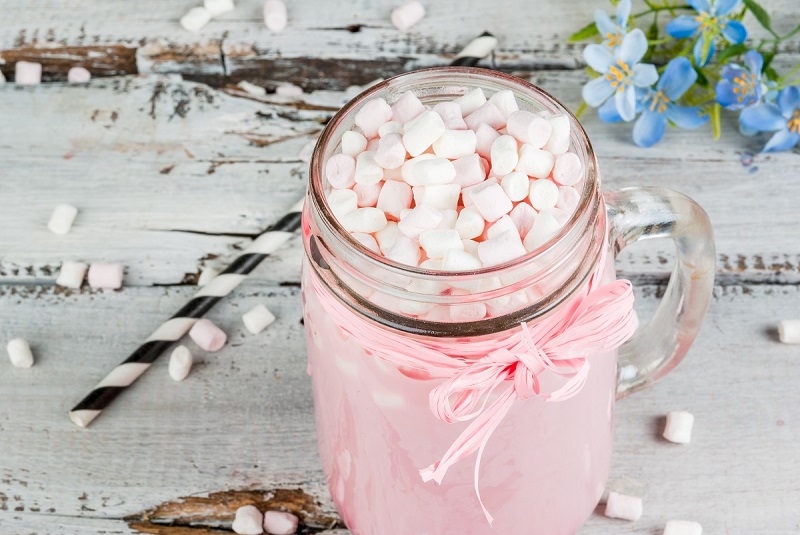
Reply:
x=620, y=74
x=711, y=20
x=784, y=116
x=741, y=86
x=613, y=31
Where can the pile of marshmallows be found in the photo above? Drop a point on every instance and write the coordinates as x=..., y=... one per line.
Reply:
x=467, y=184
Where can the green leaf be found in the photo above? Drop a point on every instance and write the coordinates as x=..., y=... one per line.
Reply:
x=581, y=109
x=760, y=14
x=701, y=77
x=716, y=120
x=731, y=51
x=771, y=73
x=768, y=57
x=590, y=30
x=652, y=32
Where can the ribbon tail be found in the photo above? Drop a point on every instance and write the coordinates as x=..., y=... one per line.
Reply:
x=573, y=386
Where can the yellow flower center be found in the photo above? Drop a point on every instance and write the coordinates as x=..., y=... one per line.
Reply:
x=743, y=85
x=794, y=122
x=619, y=75
x=613, y=39
x=658, y=102
x=707, y=21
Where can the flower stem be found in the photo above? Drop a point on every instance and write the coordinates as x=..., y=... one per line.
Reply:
x=655, y=9
x=782, y=81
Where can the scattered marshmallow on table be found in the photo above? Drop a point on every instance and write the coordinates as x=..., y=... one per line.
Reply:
x=683, y=527
x=407, y=15
x=27, y=73
x=62, y=218
x=679, y=427
x=275, y=17
x=78, y=75
x=207, y=335
x=288, y=90
x=280, y=523
x=252, y=89
x=248, y=521
x=218, y=7
x=180, y=363
x=71, y=274
x=105, y=275
x=195, y=19
x=623, y=507
x=258, y=318
x=19, y=352
x=789, y=331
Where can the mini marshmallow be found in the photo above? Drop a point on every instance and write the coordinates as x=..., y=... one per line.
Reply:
x=418, y=220
x=535, y=162
x=71, y=274
x=248, y=521
x=105, y=275
x=454, y=144
x=372, y=144
x=392, y=127
x=207, y=335
x=404, y=251
x=516, y=185
x=449, y=218
x=487, y=114
x=340, y=170
x=501, y=225
x=27, y=73
x=194, y=19
x=180, y=363
x=280, y=523
x=218, y=7
x=391, y=152
x=259, y=317
x=441, y=197
x=679, y=427
x=78, y=75
x=367, y=194
x=372, y=115
x=523, y=215
x=502, y=248
x=62, y=218
x=471, y=101
x=353, y=143
x=19, y=353
x=466, y=193
x=288, y=90
x=406, y=108
x=437, y=242
x=422, y=132
x=467, y=312
x=407, y=168
x=470, y=223
x=561, y=216
x=568, y=198
x=394, y=197
x=789, y=331
x=432, y=264
x=387, y=236
x=545, y=226
x=504, y=156
x=558, y=143
x=470, y=170
x=505, y=102
x=207, y=274
x=568, y=169
x=367, y=220
x=367, y=241
x=490, y=200
x=623, y=507
x=450, y=112
x=471, y=247
x=430, y=172
x=529, y=128
x=252, y=89
x=543, y=194
x=683, y=527
x=367, y=171
x=485, y=136
x=458, y=260
x=342, y=202
x=407, y=15
x=275, y=17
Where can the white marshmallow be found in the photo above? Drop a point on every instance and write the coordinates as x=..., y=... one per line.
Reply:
x=490, y=200
x=367, y=220
x=342, y=202
x=558, y=143
x=505, y=102
x=623, y=507
x=466, y=193
x=568, y=169
x=501, y=225
x=437, y=242
x=62, y=218
x=394, y=174
x=485, y=137
x=429, y=172
x=407, y=107
x=418, y=220
x=391, y=152
x=529, y=128
x=471, y=101
x=207, y=274
x=467, y=312
x=387, y=236
x=340, y=170
x=252, y=89
x=454, y=144
x=372, y=115
x=353, y=143
x=432, y=264
x=459, y=260
x=487, y=114
x=543, y=194
x=470, y=170
x=195, y=19
x=450, y=112
x=679, y=427
x=545, y=226
x=449, y=218
x=368, y=171
x=523, y=215
x=515, y=185
x=106, y=276
x=367, y=194
x=441, y=197
x=180, y=363
x=500, y=249
x=568, y=198
x=248, y=521
x=504, y=155
x=207, y=335
x=275, y=17
x=535, y=162
x=367, y=241
x=789, y=331
x=19, y=353
x=78, y=75
x=259, y=317
x=683, y=527
x=471, y=246
x=407, y=168
x=404, y=251
x=470, y=223
x=422, y=132
x=71, y=274
x=562, y=216
x=392, y=127
x=280, y=523
x=394, y=197
x=407, y=15
x=218, y=7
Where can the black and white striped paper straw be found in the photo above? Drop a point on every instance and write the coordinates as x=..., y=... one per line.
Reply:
x=476, y=50
x=179, y=324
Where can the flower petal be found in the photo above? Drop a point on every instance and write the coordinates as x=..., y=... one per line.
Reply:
x=686, y=117
x=604, y=23
x=783, y=140
x=608, y=112
x=649, y=129
x=623, y=12
x=747, y=131
x=763, y=117
x=789, y=100
x=754, y=61
x=597, y=91
x=732, y=70
x=727, y=97
x=644, y=75
x=734, y=31
x=683, y=26
x=626, y=103
x=677, y=78
x=699, y=60
x=598, y=57
x=633, y=48
x=701, y=6
x=723, y=7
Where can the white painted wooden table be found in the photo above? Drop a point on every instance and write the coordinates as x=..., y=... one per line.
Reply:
x=174, y=170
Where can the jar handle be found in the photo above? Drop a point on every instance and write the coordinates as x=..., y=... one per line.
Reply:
x=642, y=213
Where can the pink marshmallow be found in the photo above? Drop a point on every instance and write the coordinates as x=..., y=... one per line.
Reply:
x=367, y=194
x=105, y=276
x=471, y=101
x=467, y=312
x=491, y=201
x=523, y=215
x=568, y=198
x=27, y=73
x=394, y=197
x=484, y=137
x=501, y=225
x=78, y=75
x=466, y=193
x=404, y=251
x=528, y=128
x=500, y=249
x=623, y=507
x=372, y=116
x=275, y=17
x=367, y=241
x=568, y=169
x=470, y=170
x=407, y=107
x=450, y=112
x=487, y=114
x=391, y=152
x=535, y=162
x=504, y=156
x=340, y=171
x=455, y=144
x=407, y=15
x=543, y=194
x=515, y=185
x=420, y=219
x=207, y=335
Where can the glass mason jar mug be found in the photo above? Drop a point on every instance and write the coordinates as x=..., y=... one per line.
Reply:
x=421, y=374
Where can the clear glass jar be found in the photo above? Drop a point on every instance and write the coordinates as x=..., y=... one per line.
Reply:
x=546, y=465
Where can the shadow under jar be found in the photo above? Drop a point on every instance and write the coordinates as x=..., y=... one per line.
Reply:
x=545, y=466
